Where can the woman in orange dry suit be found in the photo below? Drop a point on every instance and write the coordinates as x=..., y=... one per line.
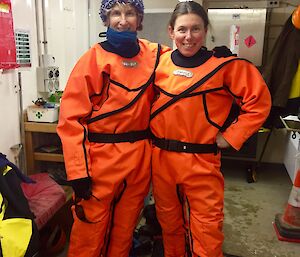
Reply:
x=104, y=117
x=196, y=91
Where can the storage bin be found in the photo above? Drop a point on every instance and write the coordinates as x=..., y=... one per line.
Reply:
x=41, y=114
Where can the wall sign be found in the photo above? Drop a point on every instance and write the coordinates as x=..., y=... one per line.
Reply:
x=23, y=48
x=250, y=41
x=7, y=39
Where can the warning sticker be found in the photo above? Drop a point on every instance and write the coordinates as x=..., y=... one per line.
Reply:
x=250, y=41
x=4, y=8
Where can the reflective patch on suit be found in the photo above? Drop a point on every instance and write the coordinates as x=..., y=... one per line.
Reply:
x=129, y=64
x=183, y=73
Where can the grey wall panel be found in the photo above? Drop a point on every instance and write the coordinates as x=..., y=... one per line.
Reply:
x=155, y=28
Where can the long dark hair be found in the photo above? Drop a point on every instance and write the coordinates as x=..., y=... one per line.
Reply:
x=186, y=8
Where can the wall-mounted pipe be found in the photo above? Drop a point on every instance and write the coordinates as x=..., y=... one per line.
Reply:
x=89, y=21
x=42, y=42
x=45, y=42
x=37, y=17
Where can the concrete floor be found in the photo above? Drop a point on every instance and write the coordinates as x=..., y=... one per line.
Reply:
x=250, y=210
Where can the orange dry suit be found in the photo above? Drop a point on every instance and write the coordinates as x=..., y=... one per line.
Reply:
x=194, y=101
x=104, y=117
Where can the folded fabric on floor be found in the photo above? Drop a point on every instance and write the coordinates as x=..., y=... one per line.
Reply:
x=45, y=197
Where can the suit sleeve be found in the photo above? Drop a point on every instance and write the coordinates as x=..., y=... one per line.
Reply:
x=245, y=82
x=76, y=107
x=164, y=49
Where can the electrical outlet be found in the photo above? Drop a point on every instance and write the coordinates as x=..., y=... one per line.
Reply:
x=47, y=79
x=272, y=4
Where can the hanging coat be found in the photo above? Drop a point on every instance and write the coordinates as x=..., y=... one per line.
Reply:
x=18, y=232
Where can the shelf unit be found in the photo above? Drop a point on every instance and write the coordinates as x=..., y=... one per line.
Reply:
x=37, y=134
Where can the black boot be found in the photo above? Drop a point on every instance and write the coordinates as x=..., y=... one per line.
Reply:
x=158, y=248
x=141, y=245
x=152, y=227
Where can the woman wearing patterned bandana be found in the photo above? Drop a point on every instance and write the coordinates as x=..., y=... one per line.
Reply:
x=196, y=93
x=103, y=126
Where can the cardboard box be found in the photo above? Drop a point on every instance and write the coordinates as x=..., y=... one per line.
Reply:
x=41, y=114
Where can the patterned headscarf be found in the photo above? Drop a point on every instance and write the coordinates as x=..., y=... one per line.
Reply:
x=106, y=5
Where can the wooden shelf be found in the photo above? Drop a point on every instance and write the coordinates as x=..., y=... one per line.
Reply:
x=50, y=157
x=40, y=127
x=36, y=136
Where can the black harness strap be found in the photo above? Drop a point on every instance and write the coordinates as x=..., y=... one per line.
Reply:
x=131, y=137
x=142, y=91
x=186, y=92
x=116, y=199
x=185, y=208
x=179, y=146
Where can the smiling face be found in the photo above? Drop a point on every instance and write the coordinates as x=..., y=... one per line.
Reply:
x=189, y=33
x=123, y=17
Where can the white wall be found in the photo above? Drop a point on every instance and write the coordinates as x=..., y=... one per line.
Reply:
x=67, y=34
x=9, y=127
x=96, y=24
x=158, y=4
x=23, y=18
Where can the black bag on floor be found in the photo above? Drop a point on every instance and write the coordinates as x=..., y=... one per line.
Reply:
x=158, y=248
x=18, y=230
x=152, y=227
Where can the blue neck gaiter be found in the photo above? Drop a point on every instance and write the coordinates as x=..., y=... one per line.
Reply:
x=125, y=43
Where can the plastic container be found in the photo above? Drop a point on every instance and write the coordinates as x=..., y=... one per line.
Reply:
x=41, y=114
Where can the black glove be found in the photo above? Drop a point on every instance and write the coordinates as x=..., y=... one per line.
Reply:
x=222, y=51
x=82, y=187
